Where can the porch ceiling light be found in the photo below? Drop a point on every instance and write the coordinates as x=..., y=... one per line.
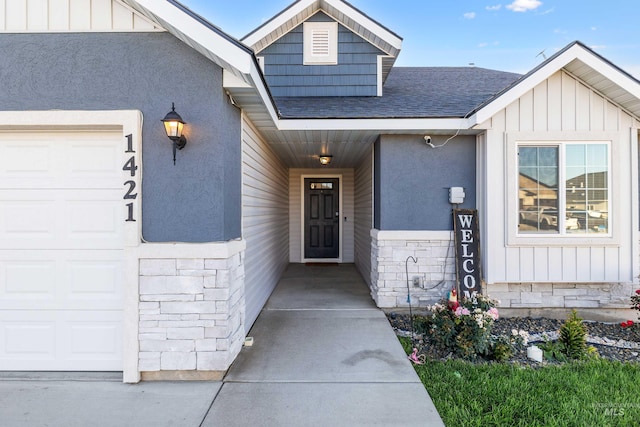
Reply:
x=325, y=160
x=173, y=126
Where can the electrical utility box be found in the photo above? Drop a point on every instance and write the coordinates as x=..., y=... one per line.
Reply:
x=456, y=195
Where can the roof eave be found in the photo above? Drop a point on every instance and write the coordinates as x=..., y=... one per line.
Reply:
x=573, y=57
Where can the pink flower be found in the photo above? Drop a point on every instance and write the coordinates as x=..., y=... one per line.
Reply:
x=623, y=324
x=462, y=311
x=638, y=291
x=627, y=324
x=493, y=312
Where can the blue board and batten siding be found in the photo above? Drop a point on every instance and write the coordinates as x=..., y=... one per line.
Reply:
x=356, y=73
x=412, y=181
x=198, y=199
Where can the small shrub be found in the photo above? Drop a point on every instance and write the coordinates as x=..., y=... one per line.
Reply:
x=465, y=330
x=554, y=350
x=502, y=349
x=573, y=336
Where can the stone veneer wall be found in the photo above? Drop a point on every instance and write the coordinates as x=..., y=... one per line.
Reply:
x=434, y=250
x=192, y=313
x=562, y=295
x=436, y=266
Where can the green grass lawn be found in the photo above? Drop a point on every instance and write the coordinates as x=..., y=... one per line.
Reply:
x=593, y=393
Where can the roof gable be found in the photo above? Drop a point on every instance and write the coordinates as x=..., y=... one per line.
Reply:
x=341, y=11
x=582, y=63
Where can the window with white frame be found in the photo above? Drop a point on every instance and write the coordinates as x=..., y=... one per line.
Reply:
x=563, y=189
x=320, y=43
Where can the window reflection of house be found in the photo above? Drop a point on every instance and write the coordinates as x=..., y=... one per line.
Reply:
x=538, y=204
x=588, y=200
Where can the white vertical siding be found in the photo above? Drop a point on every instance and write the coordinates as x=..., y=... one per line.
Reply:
x=363, y=216
x=265, y=219
x=295, y=213
x=20, y=16
x=560, y=108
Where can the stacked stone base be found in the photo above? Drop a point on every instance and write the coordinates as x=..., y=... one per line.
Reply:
x=593, y=301
x=435, y=256
x=435, y=267
x=191, y=314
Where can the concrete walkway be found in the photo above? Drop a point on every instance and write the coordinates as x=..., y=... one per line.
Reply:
x=324, y=355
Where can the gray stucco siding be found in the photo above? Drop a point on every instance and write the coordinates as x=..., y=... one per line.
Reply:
x=354, y=75
x=412, y=181
x=198, y=199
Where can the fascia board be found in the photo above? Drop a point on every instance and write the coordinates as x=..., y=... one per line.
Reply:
x=367, y=23
x=277, y=22
x=258, y=83
x=390, y=125
x=576, y=52
x=525, y=85
x=180, y=24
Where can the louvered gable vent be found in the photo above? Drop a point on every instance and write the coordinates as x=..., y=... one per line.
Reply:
x=320, y=43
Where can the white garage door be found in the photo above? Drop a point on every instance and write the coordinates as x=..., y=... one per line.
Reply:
x=61, y=248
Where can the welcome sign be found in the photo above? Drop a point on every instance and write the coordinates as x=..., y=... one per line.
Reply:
x=467, y=241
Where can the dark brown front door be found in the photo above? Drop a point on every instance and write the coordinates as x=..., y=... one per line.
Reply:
x=321, y=218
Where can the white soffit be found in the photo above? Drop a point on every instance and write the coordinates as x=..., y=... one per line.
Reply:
x=584, y=64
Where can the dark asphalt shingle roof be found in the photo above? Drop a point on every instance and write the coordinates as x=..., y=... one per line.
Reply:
x=409, y=92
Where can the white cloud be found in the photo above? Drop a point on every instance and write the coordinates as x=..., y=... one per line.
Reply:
x=494, y=8
x=524, y=5
x=594, y=28
x=469, y=15
x=483, y=45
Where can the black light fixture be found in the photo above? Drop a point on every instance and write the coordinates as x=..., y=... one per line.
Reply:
x=174, y=125
x=325, y=160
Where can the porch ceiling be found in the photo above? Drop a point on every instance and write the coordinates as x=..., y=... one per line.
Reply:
x=300, y=142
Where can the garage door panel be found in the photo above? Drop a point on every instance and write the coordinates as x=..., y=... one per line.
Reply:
x=57, y=280
x=28, y=159
x=28, y=339
x=58, y=160
x=94, y=221
x=61, y=341
x=27, y=219
x=61, y=219
x=91, y=159
x=28, y=280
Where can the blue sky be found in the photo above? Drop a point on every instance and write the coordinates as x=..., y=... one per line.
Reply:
x=504, y=35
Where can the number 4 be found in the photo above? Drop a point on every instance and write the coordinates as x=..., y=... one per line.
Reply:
x=131, y=166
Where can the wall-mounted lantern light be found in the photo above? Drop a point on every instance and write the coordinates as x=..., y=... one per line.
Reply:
x=325, y=160
x=174, y=125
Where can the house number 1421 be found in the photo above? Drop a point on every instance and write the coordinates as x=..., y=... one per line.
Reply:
x=130, y=185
